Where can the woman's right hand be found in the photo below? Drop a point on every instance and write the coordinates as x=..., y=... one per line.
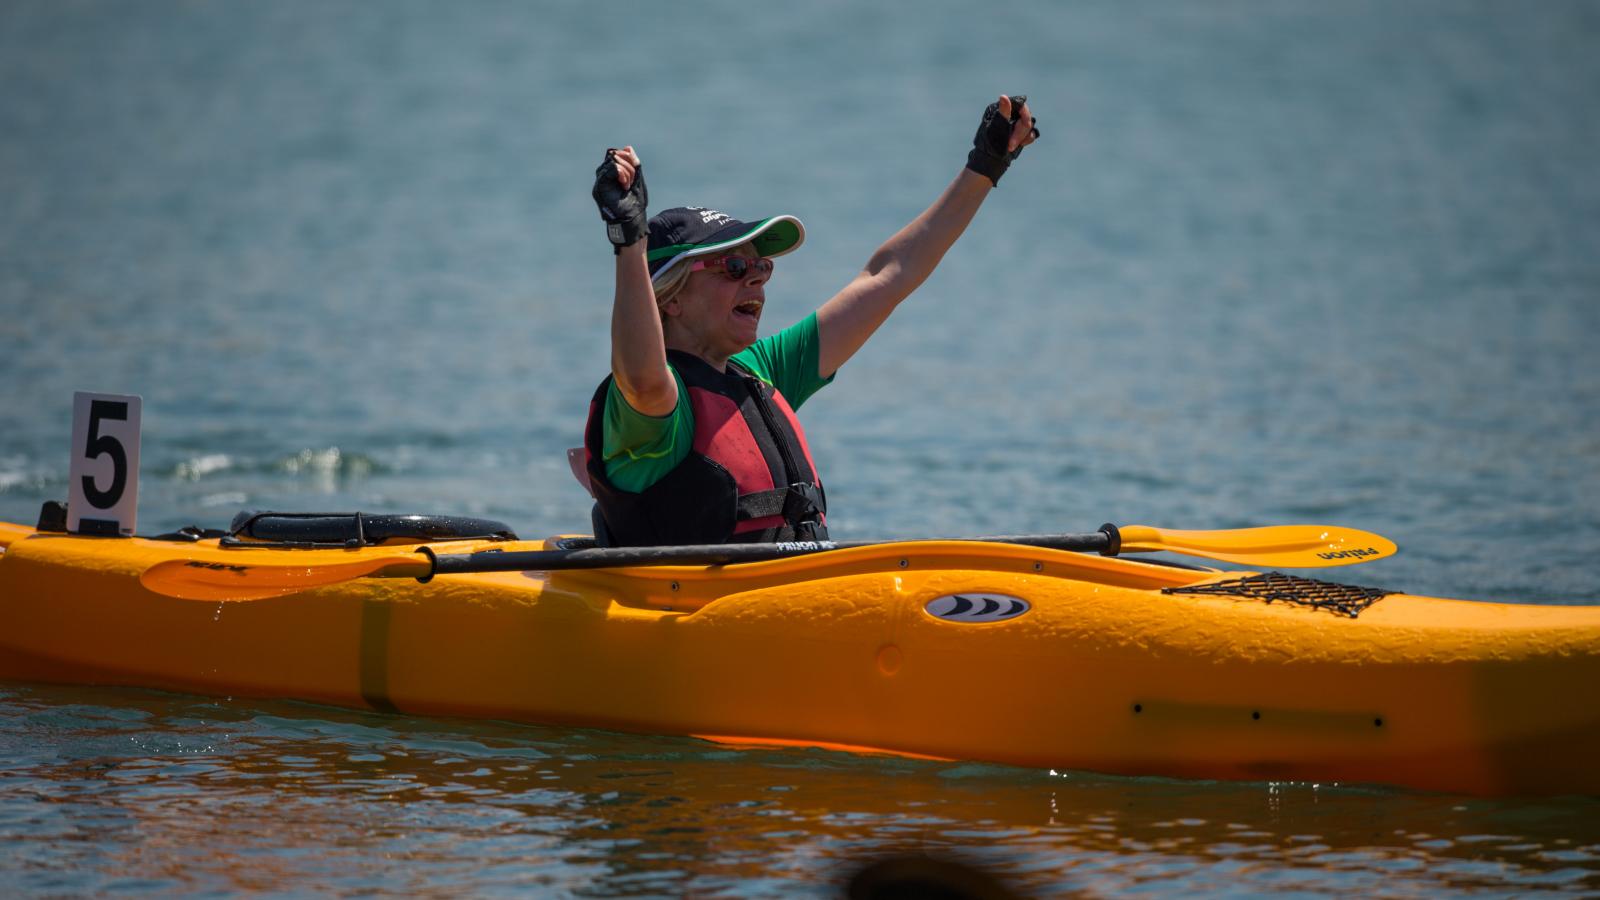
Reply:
x=627, y=163
x=620, y=193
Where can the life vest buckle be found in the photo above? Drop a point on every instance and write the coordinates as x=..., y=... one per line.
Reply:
x=803, y=502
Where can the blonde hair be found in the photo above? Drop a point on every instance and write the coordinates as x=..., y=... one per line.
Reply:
x=671, y=284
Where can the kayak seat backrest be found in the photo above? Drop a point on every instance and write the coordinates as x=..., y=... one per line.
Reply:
x=578, y=463
x=602, y=534
x=359, y=529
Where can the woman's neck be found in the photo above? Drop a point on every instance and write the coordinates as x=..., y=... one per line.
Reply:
x=676, y=339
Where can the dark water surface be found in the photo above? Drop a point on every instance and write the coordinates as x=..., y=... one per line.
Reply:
x=135, y=791
x=1272, y=262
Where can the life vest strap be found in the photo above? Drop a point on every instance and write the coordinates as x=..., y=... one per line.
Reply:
x=796, y=503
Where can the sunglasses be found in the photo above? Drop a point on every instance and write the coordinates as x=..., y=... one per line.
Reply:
x=735, y=267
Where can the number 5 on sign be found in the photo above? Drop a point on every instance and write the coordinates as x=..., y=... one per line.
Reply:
x=103, y=496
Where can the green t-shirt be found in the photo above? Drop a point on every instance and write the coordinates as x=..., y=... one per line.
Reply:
x=639, y=450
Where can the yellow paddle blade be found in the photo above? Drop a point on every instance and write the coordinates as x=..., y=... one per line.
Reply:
x=1285, y=546
x=189, y=579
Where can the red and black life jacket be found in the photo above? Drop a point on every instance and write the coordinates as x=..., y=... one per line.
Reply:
x=748, y=477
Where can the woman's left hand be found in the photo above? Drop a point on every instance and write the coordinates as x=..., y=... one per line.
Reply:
x=1023, y=130
x=1008, y=125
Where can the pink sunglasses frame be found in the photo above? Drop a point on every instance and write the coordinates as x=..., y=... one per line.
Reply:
x=761, y=264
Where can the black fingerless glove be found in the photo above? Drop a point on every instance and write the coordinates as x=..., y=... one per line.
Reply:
x=989, y=157
x=622, y=210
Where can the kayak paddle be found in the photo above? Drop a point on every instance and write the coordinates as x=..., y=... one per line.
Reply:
x=1287, y=546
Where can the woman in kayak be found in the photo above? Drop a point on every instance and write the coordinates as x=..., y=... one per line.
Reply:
x=693, y=438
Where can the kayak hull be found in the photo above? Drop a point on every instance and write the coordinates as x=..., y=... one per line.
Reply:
x=1102, y=672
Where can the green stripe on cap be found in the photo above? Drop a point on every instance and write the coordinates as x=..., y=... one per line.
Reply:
x=667, y=252
x=772, y=236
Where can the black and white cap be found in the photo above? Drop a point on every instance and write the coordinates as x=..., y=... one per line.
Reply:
x=685, y=232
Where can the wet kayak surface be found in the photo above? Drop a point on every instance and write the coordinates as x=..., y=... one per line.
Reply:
x=1272, y=263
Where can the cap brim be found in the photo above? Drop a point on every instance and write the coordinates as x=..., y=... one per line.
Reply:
x=774, y=236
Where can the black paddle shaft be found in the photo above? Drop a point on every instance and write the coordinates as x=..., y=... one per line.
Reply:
x=1104, y=541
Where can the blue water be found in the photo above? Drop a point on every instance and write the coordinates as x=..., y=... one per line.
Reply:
x=1272, y=262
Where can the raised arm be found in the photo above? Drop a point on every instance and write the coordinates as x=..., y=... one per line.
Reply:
x=906, y=260
x=638, y=351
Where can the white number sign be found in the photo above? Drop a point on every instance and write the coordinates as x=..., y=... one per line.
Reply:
x=103, y=495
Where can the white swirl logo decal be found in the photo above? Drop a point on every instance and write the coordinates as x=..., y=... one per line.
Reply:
x=976, y=607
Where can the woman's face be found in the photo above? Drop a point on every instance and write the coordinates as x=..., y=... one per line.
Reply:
x=716, y=316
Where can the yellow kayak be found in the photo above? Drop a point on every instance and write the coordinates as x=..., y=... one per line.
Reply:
x=952, y=649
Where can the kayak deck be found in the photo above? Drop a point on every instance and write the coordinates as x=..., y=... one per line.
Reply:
x=1101, y=671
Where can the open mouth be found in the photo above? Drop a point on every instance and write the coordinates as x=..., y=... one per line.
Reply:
x=751, y=308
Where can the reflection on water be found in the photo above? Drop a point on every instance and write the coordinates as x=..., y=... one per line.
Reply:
x=130, y=790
